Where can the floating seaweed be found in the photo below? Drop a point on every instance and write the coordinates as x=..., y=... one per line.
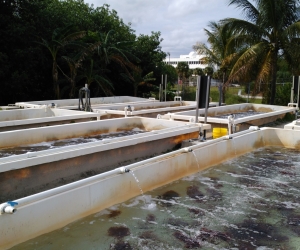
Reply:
x=148, y=235
x=150, y=218
x=213, y=194
x=118, y=232
x=212, y=236
x=114, y=213
x=188, y=242
x=177, y=222
x=196, y=211
x=194, y=193
x=258, y=232
x=120, y=245
x=168, y=196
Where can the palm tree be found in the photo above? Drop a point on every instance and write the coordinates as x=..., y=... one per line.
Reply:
x=268, y=29
x=182, y=71
x=139, y=79
x=221, y=53
x=116, y=52
x=91, y=75
x=60, y=38
x=74, y=63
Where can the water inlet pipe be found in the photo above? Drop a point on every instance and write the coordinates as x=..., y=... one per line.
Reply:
x=8, y=207
x=230, y=124
x=128, y=108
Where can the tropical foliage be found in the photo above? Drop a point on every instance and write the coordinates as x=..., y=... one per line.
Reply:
x=270, y=29
x=50, y=49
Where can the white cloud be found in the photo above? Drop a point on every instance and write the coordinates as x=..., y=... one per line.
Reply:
x=180, y=22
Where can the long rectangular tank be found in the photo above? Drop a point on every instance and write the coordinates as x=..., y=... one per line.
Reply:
x=40, y=117
x=37, y=159
x=244, y=115
x=34, y=215
x=73, y=103
x=144, y=109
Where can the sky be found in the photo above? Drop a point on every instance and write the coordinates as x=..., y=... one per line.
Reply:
x=181, y=22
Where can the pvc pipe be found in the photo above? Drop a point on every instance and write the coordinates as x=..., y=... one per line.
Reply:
x=197, y=98
x=51, y=192
x=7, y=208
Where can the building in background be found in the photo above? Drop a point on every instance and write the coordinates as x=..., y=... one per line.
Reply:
x=193, y=60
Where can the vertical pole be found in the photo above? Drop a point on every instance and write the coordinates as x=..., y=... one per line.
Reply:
x=166, y=77
x=207, y=101
x=298, y=92
x=292, y=91
x=86, y=98
x=248, y=92
x=206, y=105
x=159, y=92
x=197, y=98
x=162, y=86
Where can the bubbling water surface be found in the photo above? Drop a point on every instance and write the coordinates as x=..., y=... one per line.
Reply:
x=250, y=202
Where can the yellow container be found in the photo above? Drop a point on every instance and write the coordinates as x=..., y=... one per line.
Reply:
x=219, y=132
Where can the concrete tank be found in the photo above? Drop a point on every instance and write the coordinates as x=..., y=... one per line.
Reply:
x=244, y=115
x=34, y=171
x=40, y=117
x=55, y=208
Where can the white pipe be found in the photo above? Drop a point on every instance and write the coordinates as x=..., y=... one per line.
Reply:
x=7, y=208
x=51, y=192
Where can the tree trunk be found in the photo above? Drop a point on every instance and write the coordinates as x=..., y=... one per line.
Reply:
x=273, y=76
x=55, y=80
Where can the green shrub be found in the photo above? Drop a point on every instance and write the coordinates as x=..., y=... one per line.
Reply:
x=234, y=99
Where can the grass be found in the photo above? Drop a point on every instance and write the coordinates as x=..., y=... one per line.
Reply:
x=231, y=96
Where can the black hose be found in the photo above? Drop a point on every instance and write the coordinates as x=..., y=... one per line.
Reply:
x=84, y=93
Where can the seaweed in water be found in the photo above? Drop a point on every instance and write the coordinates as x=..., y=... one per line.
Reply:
x=196, y=211
x=118, y=232
x=258, y=233
x=177, y=222
x=150, y=218
x=113, y=213
x=194, y=193
x=120, y=246
x=168, y=196
x=148, y=235
x=211, y=236
x=213, y=194
x=188, y=242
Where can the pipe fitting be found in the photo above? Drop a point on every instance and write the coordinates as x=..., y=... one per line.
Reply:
x=187, y=150
x=8, y=207
x=227, y=137
x=254, y=128
x=124, y=170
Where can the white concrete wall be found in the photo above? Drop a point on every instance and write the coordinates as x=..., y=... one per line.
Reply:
x=73, y=103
